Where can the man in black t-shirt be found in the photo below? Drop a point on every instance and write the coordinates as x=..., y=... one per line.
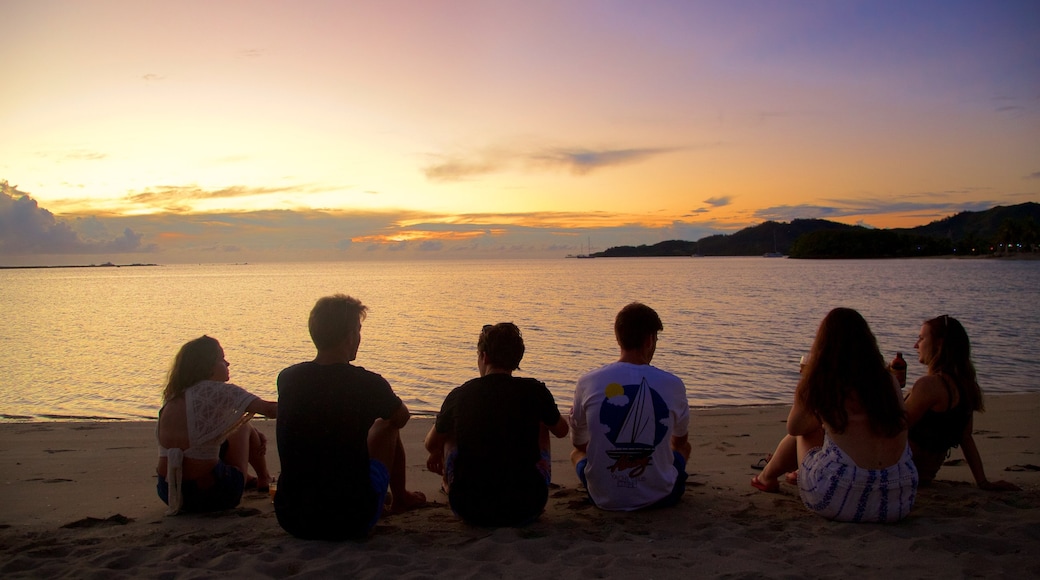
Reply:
x=491, y=438
x=338, y=434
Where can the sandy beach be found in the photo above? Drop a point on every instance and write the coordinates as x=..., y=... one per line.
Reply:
x=79, y=501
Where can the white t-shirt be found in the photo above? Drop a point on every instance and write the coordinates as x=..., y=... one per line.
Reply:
x=627, y=414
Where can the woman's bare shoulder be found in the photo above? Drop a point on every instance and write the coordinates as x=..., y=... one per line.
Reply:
x=929, y=383
x=928, y=392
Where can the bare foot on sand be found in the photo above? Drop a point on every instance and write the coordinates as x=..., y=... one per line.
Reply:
x=407, y=501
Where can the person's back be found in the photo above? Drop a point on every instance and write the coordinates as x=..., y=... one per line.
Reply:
x=338, y=434
x=848, y=417
x=325, y=412
x=497, y=419
x=867, y=448
x=491, y=437
x=630, y=423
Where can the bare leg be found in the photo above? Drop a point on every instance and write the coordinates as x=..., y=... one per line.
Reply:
x=577, y=455
x=384, y=444
x=258, y=457
x=237, y=454
x=784, y=460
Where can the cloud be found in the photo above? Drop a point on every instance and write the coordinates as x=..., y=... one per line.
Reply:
x=929, y=205
x=719, y=201
x=582, y=161
x=175, y=198
x=307, y=234
x=26, y=228
x=181, y=192
x=85, y=156
x=576, y=160
x=1034, y=175
x=72, y=155
x=458, y=169
x=151, y=77
x=91, y=228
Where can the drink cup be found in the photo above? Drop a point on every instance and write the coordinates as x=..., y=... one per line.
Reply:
x=273, y=488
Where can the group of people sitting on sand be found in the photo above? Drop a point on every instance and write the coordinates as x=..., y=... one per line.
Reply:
x=856, y=447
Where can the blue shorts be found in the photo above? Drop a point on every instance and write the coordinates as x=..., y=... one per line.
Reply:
x=225, y=493
x=669, y=500
x=379, y=475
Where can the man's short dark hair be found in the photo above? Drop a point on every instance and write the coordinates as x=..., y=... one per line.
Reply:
x=634, y=324
x=333, y=318
x=503, y=345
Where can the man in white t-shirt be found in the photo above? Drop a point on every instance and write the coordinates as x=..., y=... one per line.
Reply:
x=630, y=422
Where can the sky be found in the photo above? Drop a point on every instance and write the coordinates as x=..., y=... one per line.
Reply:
x=262, y=130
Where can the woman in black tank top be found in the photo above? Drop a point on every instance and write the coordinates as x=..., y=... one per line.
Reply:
x=940, y=406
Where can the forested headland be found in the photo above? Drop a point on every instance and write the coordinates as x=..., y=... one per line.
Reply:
x=1000, y=231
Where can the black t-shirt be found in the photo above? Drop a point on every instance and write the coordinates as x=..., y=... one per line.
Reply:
x=324, y=414
x=496, y=420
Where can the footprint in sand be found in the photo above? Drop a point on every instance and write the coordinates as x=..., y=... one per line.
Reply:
x=1023, y=467
x=116, y=520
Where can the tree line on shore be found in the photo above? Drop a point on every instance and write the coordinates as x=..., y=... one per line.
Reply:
x=1002, y=230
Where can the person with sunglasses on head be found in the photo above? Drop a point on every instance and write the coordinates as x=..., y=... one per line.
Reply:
x=490, y=441
x=941, y=405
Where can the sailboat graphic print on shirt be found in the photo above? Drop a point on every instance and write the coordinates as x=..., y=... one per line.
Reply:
x=635, y=419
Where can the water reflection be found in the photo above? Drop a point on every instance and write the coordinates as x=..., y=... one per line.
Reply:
x=97, y=342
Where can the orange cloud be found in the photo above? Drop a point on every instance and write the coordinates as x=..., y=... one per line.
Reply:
x=423, y=235
x=171, y=236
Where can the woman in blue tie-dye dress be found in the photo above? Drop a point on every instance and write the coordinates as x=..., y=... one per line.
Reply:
x=847, y=430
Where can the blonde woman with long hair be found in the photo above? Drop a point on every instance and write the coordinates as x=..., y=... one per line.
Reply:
x=205, y=441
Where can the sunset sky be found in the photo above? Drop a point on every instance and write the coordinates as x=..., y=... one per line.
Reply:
x=234, y=131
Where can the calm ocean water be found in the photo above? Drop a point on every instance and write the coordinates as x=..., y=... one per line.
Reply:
x=97, y=342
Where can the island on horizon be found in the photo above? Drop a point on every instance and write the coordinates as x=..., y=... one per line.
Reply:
x=105, y=265
x=1002, y=231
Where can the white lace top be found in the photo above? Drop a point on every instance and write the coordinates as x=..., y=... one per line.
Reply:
x=214, y=409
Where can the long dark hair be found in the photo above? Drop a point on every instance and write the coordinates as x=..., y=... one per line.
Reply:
x=845, y=362
x=194, y=362
x=952, y=357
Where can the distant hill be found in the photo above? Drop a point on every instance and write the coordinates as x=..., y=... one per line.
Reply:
x=983, y=225
x=751, y=241
x=966, y=233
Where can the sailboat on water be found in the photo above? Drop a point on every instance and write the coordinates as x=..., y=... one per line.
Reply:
x=588, y=255
x=639, y=429
x=775, y=253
